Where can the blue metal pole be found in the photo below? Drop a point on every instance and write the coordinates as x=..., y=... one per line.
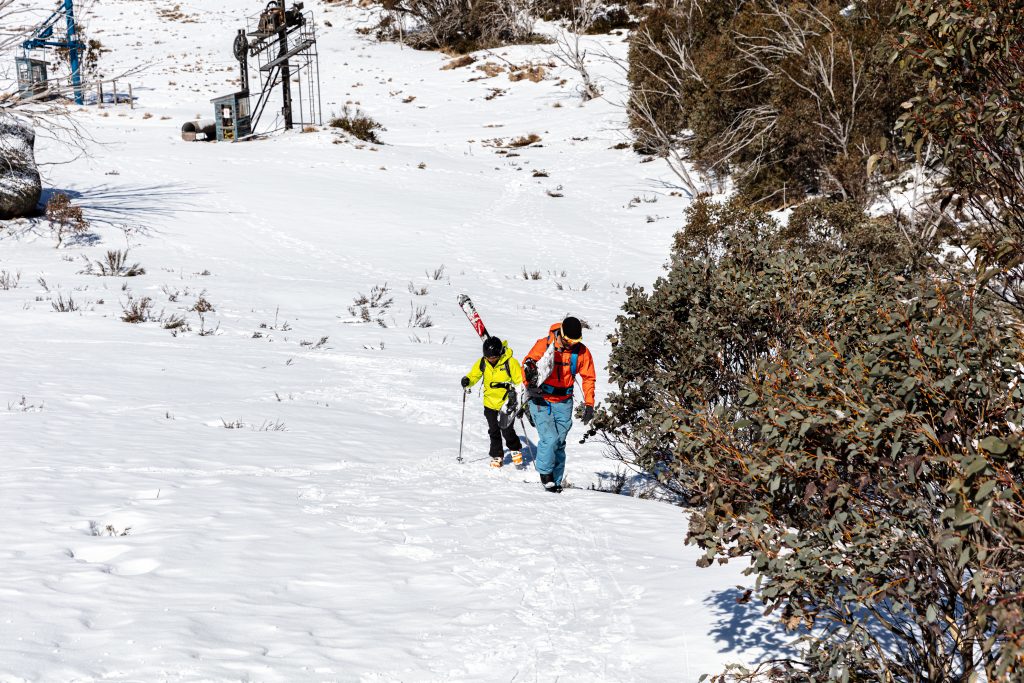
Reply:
x=73, y=49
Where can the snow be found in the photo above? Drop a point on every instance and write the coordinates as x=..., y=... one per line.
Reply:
x=330, y=535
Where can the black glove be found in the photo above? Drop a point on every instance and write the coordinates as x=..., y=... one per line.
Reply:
x=465, y=382
x=530, y=372
x=588, y=414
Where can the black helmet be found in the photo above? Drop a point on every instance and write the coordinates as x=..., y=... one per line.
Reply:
x=492, y=347
x=572, y=329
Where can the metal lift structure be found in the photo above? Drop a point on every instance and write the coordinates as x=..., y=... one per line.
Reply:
x=33, y=79
x=283, y=44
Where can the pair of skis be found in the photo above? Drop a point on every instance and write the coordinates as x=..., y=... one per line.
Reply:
x=511, y=410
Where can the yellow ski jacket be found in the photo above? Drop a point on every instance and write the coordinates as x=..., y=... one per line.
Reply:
x=507, y=369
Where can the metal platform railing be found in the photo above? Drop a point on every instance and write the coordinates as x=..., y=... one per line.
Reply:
x=287, y=56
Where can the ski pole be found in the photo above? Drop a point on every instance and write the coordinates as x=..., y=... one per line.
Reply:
x=462, y=424
x=526, y=435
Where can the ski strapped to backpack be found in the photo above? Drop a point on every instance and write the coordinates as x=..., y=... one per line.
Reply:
x=549, y=390
x=562, y=391
x=474, y=318
x=508, y=413
x=546, y=388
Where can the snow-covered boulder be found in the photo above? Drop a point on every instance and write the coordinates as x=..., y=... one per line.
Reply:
x=20, y=185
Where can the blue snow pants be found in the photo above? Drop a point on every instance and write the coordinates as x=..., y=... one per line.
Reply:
x=553, y=421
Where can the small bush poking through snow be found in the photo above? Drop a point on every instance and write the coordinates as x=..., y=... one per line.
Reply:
x=9, y=280
x=418, y=317
x=62, y=305
x=370, y=308
x=202, y=307
x=357, y=124
x=23, y=406
x=417, y=339
x=137, y=310
x=66, y=219
x=175, y=323
x=114, y=265
x=313, y=345
x=108, y=530
x=267, y=426
x=611, y=482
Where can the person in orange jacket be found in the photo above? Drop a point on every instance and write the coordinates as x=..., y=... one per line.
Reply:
x=551, y=398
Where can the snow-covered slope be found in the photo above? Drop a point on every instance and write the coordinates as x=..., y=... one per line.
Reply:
x=330, y=535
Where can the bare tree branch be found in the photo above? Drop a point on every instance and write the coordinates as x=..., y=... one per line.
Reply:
x=569, y=52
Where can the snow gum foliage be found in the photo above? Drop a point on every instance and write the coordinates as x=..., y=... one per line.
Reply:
x=459, y=25
x=469, y=25
x=591, y=16
x=776, y=93
x=967, y=109
x=848, y=422
x=738, y=287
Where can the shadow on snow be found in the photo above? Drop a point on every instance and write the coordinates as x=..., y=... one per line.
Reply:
x=138, y=204
x=741, y=627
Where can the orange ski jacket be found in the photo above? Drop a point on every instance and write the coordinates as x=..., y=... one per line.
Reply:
x=559, y=386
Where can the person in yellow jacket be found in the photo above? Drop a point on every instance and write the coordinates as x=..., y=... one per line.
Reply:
x=500, y=372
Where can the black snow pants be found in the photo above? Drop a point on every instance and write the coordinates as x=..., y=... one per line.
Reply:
x=496, y=432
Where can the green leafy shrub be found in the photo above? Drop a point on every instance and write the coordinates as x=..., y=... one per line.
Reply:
x=848, y=425
x=873, y=475
x=706, y=324
x=965, y=121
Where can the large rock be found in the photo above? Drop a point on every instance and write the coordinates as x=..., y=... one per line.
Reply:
x=20, y=184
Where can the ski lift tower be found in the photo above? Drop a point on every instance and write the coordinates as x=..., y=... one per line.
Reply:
x=32, y=76
x=283, y=43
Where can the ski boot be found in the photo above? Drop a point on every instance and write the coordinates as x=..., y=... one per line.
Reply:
x=517, y=458
x=496, y=462
x=549, y=483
